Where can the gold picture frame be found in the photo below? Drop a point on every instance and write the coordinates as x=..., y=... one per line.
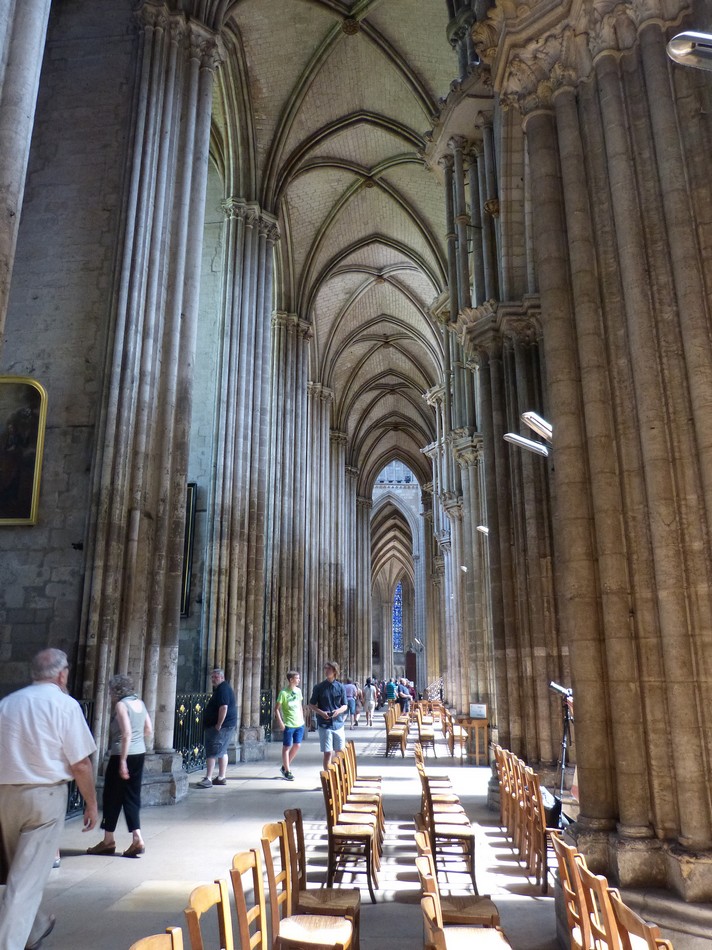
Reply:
x=23, y=417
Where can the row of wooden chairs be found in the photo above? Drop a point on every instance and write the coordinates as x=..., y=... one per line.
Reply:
x=595, y=913
x=454, y=921
x=354, y=818
x=522, y=813
x=443, y=819
x=299, y=917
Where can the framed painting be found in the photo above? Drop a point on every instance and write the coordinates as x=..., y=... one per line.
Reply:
x=23, y=415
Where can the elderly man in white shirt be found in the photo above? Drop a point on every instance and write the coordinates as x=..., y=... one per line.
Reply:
x=44, y=743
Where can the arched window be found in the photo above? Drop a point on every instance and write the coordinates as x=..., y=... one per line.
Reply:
x=398, y=619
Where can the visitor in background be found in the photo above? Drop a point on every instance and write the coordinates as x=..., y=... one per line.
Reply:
x=219, y=721
x=290, y=716
x=370, y=694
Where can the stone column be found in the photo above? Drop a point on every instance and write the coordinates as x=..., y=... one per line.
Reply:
x=360, y=659
x=131, y=614
x=23, y=30
x=461, y=221
x=575, y=574
x=337, y=483
x=362, y=620
x=290, y=358
x=490, y=208
x=319, y=644
x=478, y=260
x=615, y=582
x=662, y=483
x=237, y=572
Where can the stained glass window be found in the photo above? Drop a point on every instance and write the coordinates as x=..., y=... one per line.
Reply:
x=398, y=619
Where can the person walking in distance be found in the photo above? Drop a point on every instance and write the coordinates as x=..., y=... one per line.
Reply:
x=370, y=694
x=290, y=716
x=328, y=702
x=219, y=721
x=44, y=744
x=351, y=691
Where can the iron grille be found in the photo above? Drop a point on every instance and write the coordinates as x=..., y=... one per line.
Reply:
x=188, y=729
x=266, y=712
x=75, y=802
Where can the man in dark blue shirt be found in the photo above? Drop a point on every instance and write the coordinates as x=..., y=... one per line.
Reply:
x=328, y=702
x=219, y=721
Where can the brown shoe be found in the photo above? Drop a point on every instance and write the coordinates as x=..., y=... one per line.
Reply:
x=102, y=848
x=134, y=850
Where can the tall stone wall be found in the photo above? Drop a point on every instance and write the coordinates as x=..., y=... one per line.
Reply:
x=59, y=309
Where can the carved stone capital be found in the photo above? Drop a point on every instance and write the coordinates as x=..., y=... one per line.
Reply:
x=491, y=206
x=365, y=504
x=467, y=450
x=336, y=437
x=457, y=143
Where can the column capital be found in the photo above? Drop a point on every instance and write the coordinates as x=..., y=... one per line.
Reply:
x=319, y=391
x=457, y=143
x=352, y=472
x=468, y=450
x=365, y=504
x=337, y=437
x=293, y=323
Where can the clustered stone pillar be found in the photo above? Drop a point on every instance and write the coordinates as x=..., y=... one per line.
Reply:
x=131, y=614
x=620, y=239
x=290, y=362
x=362, y=619
x=236, y=572
x=319, y=631
x=23, y=30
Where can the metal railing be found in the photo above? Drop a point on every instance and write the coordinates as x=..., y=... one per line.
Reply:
x=75, y=802
x=188, y=729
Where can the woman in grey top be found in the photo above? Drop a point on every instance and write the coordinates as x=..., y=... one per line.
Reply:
x=129, y=727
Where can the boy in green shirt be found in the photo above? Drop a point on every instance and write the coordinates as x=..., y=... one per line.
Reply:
x=290, y=716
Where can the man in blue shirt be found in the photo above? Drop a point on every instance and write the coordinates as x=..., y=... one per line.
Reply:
x=328, y=702
x=219, y=721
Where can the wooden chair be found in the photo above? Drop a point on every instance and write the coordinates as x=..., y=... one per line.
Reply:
x=361, y=799
x=597, y=904
x=251, y=920
x=202, y=899
x=426, y=733
x=356, y=779
x=450, y=836
x=630, y=925
x=455, y=735
x=348, y=842
x=539, y=835
x=330, y=901
x=438, y=937
x=302, y=929
x=396, y=733
x=354, y=812
x=472, y=910
x=576, y=916
x=441, y=782
x=172, y=939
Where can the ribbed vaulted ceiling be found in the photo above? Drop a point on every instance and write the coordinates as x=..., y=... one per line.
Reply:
x=340, y=95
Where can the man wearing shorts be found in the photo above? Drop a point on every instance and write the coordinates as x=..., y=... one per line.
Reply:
x=219, y=721
x=328, y=702
x=290, y=716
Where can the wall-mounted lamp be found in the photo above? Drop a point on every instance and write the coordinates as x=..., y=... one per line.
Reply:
x=691, y=49
x=538, y=425
x=483, y=529
x=537, y=447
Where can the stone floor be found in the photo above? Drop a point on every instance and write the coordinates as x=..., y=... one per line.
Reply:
x=109, y=903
